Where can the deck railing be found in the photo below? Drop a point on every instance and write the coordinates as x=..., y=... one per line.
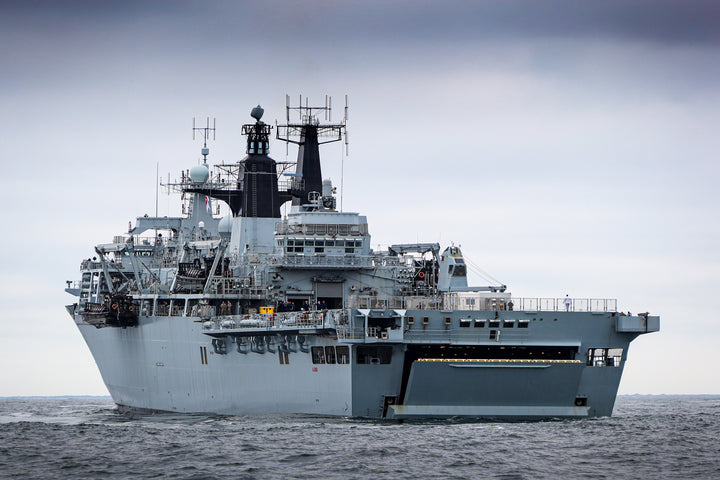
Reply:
x=276, y=321
x=483, y=302
x=350, y=332
x=561, y=305
x=329, y=261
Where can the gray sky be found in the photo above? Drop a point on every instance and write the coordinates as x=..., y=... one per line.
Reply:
x=568, y=147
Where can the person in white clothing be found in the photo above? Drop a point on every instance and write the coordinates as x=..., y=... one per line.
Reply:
x=568, y=302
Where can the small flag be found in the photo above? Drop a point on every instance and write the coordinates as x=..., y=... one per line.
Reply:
x=207, y=203
x=314, y=369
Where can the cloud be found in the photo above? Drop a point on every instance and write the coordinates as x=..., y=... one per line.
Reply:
x=281, y=21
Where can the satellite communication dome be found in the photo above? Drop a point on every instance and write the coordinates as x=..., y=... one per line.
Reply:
x=257, y=113
x=199, y=174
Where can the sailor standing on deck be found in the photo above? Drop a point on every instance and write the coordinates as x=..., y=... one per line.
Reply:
x=568, y=302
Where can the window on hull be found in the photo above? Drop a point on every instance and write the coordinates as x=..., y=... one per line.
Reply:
x=343, y=354
x=604, y=357
x=318, y=355
x=330, y=355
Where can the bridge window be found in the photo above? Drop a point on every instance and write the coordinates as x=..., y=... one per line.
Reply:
x=318, y=355
x=343, y=354
x=330, y=355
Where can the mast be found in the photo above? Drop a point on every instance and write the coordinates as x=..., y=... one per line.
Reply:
x=260, y=195
x=309, y=134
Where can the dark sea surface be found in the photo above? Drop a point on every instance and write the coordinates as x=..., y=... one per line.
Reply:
x=654, y=437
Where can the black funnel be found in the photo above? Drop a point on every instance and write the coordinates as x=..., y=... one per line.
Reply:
x=308, y=163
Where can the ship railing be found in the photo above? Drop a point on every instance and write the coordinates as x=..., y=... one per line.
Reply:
x=558, y=304
x=236, y=286
x=308, y=260
x=150, y=262
x=276, y=321
x=482, y=302
x=285, y=228
x=124, y=264
x=90, y=265
x=326, y=260
x=350, y=332
x=395, y=301
x=386, y=261
x=290, y=185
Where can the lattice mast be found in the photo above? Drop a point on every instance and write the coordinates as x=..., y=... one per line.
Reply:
x=309, y=134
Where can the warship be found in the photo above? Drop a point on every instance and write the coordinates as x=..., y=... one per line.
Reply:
x=282, y=307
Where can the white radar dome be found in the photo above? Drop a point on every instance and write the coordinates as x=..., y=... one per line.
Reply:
x=199, y=174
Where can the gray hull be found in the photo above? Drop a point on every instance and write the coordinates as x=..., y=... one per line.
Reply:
x=172, y=364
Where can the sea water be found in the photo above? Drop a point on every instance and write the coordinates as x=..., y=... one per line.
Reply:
x=653, y=437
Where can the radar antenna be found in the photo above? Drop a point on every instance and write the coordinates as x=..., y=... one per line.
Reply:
x=292, y=132
x=206, y=135
x=308, y=133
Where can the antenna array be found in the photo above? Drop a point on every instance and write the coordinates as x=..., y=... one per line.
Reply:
x=206, y=134
x=205, y=130
x=309, y=115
